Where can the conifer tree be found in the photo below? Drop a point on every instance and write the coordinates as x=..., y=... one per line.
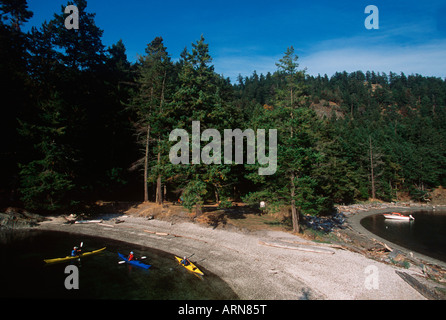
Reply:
x=294, y=183
x=151, y=104
x=46, y=181
x=14, y=89
x=199, y=97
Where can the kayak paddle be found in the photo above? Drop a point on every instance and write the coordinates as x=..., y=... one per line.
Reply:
x=142, y=258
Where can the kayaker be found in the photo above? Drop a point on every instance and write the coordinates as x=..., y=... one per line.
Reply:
x=131, y=256
x=75, y=252
x=185, y=262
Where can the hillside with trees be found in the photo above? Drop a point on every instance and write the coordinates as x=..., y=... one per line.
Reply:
x=81, y=122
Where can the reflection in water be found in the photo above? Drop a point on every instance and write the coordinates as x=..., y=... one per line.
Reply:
x=426, y=234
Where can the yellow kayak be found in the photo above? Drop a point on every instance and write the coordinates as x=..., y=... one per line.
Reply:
x=75, y=257
x=191, y=267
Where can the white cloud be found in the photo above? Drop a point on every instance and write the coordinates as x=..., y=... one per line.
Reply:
x=414, y=47
x=409, y=48
x=425, y=59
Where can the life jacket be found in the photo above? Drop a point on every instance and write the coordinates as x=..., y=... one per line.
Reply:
x=185, y=262
x=130, y=257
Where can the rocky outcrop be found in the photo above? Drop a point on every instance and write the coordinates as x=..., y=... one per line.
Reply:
x=15, y=218
x=325, y=224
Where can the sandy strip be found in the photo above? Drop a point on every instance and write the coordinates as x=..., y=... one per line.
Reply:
x=288, y=269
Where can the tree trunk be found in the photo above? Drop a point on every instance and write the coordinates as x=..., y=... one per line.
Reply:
x=159, y=192
x=217, y=198
x=198, y=210
x=372, y=174
x=294, y=213
x=146, y=166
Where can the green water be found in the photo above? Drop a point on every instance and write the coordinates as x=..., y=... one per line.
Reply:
x=23, y=273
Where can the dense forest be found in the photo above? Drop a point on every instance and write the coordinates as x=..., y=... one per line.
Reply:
x=80, y=122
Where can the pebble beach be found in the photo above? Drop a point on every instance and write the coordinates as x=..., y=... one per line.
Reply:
x=261, y=264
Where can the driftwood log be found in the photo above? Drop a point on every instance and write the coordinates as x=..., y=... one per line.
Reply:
x=300, y=247
x=427, y=292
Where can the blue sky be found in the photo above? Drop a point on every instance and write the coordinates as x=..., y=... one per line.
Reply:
x=244, y=36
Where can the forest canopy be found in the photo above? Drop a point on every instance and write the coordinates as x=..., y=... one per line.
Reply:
x=81, y=122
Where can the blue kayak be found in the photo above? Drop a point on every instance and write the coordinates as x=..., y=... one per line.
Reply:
x=134, y=262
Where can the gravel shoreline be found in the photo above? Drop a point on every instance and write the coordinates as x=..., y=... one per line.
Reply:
x=260, y=265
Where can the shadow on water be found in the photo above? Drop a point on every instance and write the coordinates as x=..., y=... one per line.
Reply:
x=26, y=275
x=425, y=235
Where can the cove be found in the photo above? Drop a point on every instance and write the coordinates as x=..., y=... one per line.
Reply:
x=25, y=275
x=425, y=235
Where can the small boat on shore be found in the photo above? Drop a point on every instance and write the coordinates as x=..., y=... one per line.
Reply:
x=398, y=216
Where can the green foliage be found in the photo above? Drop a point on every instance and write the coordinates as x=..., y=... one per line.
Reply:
x=46, y=181
x=194, y=193
x=83, y=115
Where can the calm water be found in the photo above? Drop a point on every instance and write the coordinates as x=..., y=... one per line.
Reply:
x=23, y=273
x=426, y=235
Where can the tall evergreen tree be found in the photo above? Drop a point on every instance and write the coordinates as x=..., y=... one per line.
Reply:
x=155, y=79
x=294, y=183
x=14, y=90
x=46, y=181
x=200, y=97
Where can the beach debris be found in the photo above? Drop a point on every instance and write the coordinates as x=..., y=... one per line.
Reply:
x=71, y=218
x=79, y=218
x=434, y=272
x=318, y=244
x=300, y=247
x=429, y=293
x=88, y=221
x=325, y=224
x=273, y=271
x=396, y=255
x=106, y=225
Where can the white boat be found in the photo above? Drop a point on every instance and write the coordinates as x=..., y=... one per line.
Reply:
x=398, y=216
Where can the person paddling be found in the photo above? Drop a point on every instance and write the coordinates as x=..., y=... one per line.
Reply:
x=75, y=252
x=131, y=257
x=185, y=261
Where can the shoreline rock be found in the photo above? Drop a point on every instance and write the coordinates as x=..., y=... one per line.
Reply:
x=15, y=218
